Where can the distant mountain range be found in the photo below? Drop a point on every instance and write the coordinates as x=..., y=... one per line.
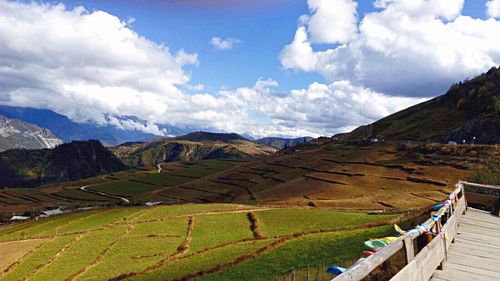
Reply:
x=469, y=111
x=19, y=134
x=282, y=143
x=66, y=162
x=67, y=130
x=193, y=146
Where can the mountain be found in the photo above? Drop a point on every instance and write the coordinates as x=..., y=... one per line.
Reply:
x=66, y=162
x=68, y=130
x=193, y=146
x=470, y=109
x=19, y=134
x=281, y=143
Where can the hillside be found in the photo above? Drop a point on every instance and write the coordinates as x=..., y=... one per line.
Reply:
x=281, y=143
x=190, y=147
x=469, y=109
x=19, y=134
x=321, y=174
x=185, y=242
x=66, y=162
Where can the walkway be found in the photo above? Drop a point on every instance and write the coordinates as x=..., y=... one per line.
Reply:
x=475, y=255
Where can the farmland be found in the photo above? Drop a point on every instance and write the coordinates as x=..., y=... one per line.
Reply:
x=137, y=184
x=323, y=174
x=183, y=242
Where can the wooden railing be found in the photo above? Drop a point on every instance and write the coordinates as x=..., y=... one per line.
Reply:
x=440, y=230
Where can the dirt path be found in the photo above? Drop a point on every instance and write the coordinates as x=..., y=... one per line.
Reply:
x=84, y=188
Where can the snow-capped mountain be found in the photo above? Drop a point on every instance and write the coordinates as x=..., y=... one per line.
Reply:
x=19, y=134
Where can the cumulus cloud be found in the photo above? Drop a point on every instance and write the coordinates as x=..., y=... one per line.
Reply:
x=493, y=8
x=320, y=109
x=93, y=67
x=84, y=64
x=407, y=47
x=224, y=44
x=331, y=21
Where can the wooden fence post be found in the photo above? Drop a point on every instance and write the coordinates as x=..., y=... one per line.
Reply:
x=409, y=249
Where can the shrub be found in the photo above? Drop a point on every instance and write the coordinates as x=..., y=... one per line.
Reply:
x=488, y=174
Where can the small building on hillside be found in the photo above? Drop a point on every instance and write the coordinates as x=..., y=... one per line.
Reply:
x=50, y=213
x=153, y=203
x=19, y=218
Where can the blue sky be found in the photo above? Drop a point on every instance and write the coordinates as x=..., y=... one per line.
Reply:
x=315, y=67
x=263, y=31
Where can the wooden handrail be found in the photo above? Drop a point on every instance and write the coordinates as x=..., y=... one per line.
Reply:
x=494, y=187
x=420, y=265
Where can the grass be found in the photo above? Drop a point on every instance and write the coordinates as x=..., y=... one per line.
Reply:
x=77, y=194
x=213, y=230
x=75, y=259
x=311, y=250
x=123, y=187
x=191, y=209
x=98, y=220
x=194, y=264
x=122, y=257
x=147, y=182
x=37, y=259
x=286, y=222
x=13, y=251
x=489, y=174
x=163, y=179
x=46, y=227
x=103, y=244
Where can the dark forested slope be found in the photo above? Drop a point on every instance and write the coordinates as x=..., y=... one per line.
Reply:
x=71, y=161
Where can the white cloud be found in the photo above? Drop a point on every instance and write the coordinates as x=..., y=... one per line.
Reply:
x=299, y=54
x=409, y=47
x=93, y=66
x=331, y=21
x=224, y=44
x=196, y=87
x=84, y=64
x=493, y=8
x=321, y=109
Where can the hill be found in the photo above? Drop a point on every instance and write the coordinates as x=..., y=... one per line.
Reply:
x=212, y=137
x=68, y=130
x=19, y=134
x=66, y=162
x=281, y=143
x=469, y=109
x=191, y=147
x=316, y=174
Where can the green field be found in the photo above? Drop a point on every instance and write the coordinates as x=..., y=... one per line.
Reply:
x=153, y=181
x=211, y=241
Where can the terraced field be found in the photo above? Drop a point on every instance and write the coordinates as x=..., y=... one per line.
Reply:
x=346, y=177
x=136, y=184
x=183, y=242
x=388, y=177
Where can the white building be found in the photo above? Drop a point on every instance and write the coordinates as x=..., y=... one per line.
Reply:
x=153, y=203
x=19, y=218
x=49, y=213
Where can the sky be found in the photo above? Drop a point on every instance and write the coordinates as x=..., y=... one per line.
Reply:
x=264, y=68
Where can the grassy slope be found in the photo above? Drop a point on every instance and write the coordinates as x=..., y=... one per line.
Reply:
x=476, y=100
x=104, y=244
x=308, y=251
